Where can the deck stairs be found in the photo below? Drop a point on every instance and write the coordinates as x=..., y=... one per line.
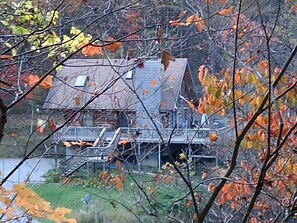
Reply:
x=97, y=153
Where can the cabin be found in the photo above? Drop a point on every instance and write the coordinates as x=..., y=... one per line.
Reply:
x=140, y=97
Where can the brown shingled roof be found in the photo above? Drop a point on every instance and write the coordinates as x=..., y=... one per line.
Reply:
x=102, y=74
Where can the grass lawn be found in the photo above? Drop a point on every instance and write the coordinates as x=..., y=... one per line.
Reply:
x=110, y=205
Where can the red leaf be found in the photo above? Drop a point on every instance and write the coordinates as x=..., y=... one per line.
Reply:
x=51, y=125
x=139, y=63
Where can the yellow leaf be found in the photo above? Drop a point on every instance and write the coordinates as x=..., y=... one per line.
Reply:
x=166, y=58
x=182, y=156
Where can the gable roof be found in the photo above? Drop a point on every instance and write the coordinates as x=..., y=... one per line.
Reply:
x=76, y=83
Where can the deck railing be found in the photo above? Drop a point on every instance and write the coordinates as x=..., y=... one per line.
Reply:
x=76, y=133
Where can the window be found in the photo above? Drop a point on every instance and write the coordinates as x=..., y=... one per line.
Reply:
x=81, y=81
x=129, y=74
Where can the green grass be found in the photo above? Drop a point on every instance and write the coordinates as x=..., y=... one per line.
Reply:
x=110, y=205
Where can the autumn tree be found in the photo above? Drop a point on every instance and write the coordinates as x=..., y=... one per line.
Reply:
x=248, y=75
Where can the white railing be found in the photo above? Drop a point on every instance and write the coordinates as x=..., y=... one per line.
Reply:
x=77, y=133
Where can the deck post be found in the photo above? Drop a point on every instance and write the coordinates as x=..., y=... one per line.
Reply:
x=56, y=154
x=138, y=159
x=159, y=156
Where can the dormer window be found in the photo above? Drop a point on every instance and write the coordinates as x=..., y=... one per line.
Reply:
x=81, y=81
x=129, y=74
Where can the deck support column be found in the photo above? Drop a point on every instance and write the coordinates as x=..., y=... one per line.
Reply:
x=138, y=157
x=159, y=157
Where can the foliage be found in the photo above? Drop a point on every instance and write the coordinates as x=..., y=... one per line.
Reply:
x=248, y=51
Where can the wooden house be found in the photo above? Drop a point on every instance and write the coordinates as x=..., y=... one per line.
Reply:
x=138, y=96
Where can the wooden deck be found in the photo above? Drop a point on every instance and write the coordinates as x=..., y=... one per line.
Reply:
x=176, y=136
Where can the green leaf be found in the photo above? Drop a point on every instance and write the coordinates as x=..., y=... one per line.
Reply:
x=218, y=93
x=18, y=30
x=4, y=23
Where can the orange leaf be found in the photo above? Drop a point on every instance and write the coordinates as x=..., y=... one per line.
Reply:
x=253, y=220
x=91, y=50
x=200, y=24
x=197, y=20
x=264, y=67
x=293, y=8
x=114, y=46
x=190, y=104
x=191, y=19
x=166, y=58
x=204, y=176
x=77, y=100
x=188, y=203
x=154, y=83
x=32, y=79
x=119, y=184
x=51, y=125
x=176, y=23
x=226, y=12
x=211, y=187
x=213, y=137
x=124, y=142
x=47, y=83
x=209, y=1
x=201, y=107
x=119, y=165
x=67, y=144
x=195, y=217
x=6, y=57
x=201, y=73
x=182, y=14
x=145, y=92
x=168, y=180
x=13, y=135
x=223, y=2
x=40, y=126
